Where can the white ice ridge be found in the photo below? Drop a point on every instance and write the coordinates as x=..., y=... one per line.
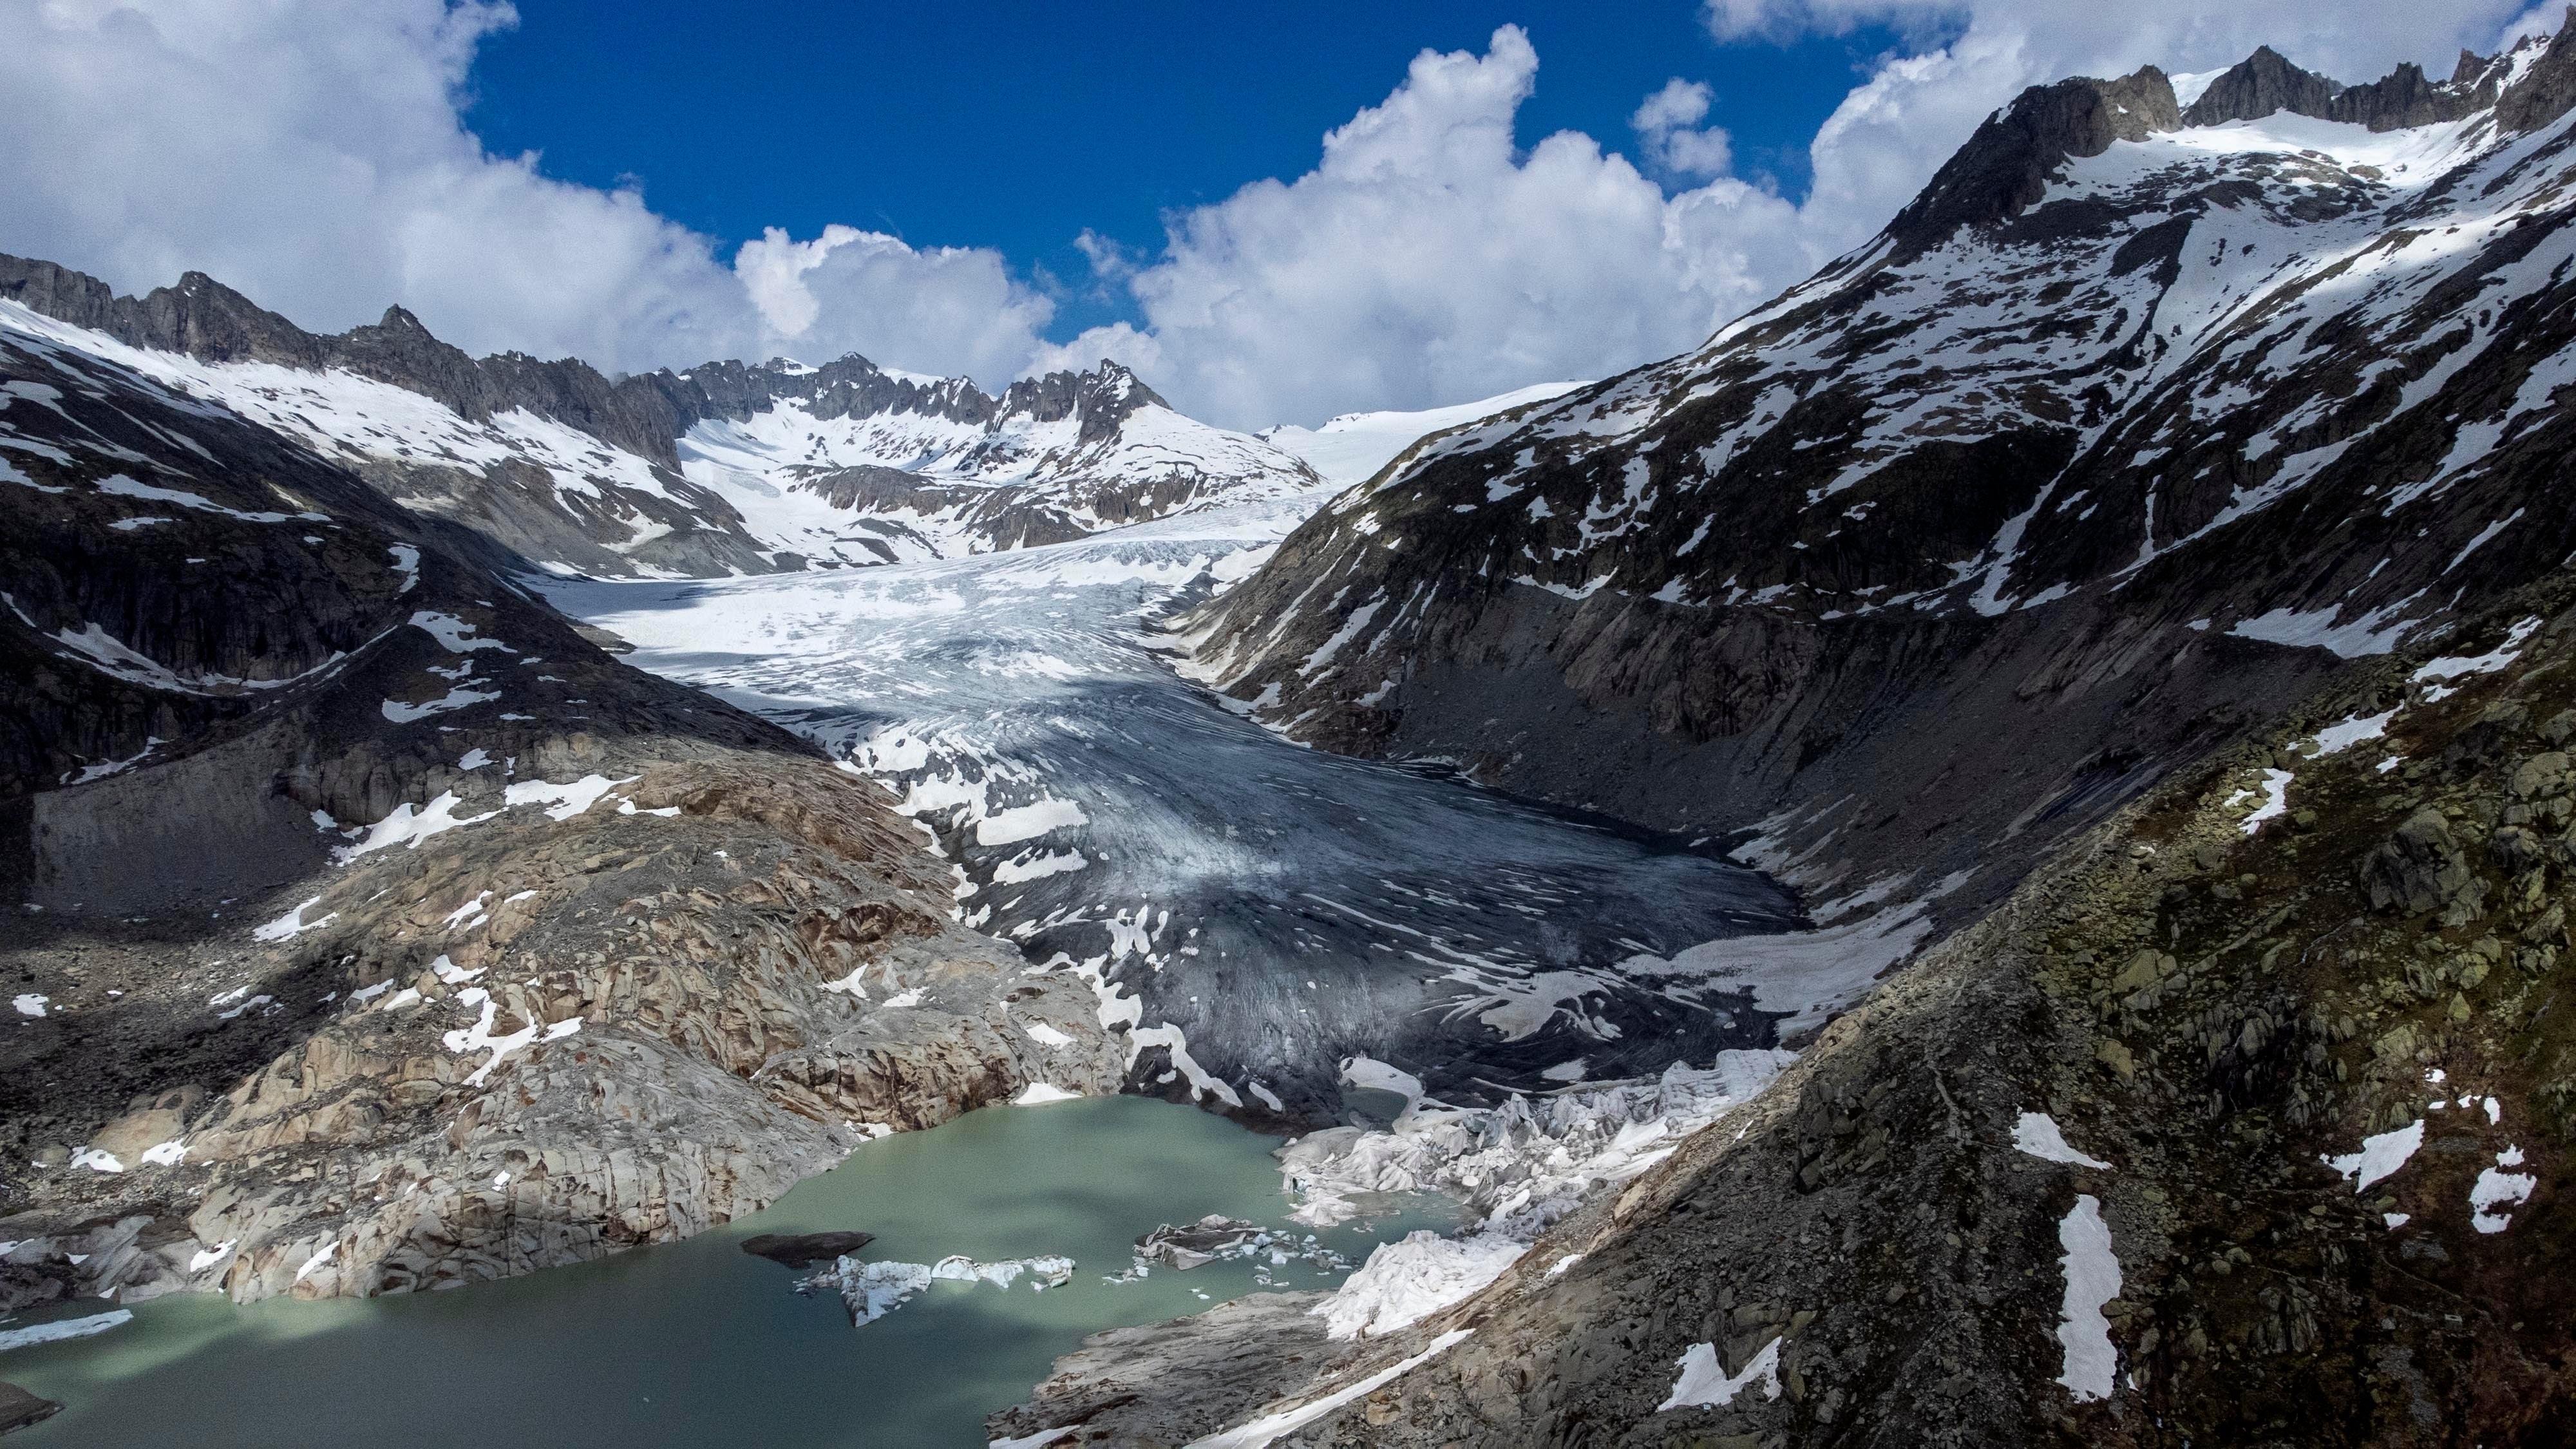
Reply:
x=872, y=1290
x=2092, y=1279
x=1521, y=1167
x=2037, y=1134
x=1406, y=1281
x=61, y=1329
x=1705, y=1385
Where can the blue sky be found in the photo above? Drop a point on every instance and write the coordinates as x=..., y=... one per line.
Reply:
x=1017, y=126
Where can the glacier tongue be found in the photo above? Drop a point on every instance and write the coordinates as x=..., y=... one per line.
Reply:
x=1250, y=912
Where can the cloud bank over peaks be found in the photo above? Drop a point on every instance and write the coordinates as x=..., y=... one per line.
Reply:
x=1426, y=259
x=955, y=311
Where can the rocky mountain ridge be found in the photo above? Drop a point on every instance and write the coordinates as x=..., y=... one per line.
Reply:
x=2132, y=428
x=371, y=929
x=2152, y=544
x=2242, y=1122
x=722, y=468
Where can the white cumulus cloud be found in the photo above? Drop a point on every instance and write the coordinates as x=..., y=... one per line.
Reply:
x=1427, y=259
x=312, y=154
x=955, y=311
x=1668, y=128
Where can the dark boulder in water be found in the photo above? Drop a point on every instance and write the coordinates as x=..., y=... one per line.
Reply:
x=802, y=1250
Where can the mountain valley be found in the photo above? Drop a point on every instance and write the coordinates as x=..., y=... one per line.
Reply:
x=1984, y=858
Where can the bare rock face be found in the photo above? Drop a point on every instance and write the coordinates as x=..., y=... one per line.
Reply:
x=18, y=1408
x=370, y=929
x=2419, y=869
x=1170, y=1383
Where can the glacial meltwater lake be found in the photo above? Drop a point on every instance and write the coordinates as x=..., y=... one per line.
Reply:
x=699, y=1342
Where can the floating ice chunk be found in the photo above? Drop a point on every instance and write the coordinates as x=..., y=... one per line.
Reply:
x=1038, y=1094
x=2379, y=1156
x=2037, y=1134
x=61, y=1329
x=2092, y=1279
x=1705, y=1385
x=870, y=1291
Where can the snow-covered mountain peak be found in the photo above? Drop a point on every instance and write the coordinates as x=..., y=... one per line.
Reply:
x=725, y=467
